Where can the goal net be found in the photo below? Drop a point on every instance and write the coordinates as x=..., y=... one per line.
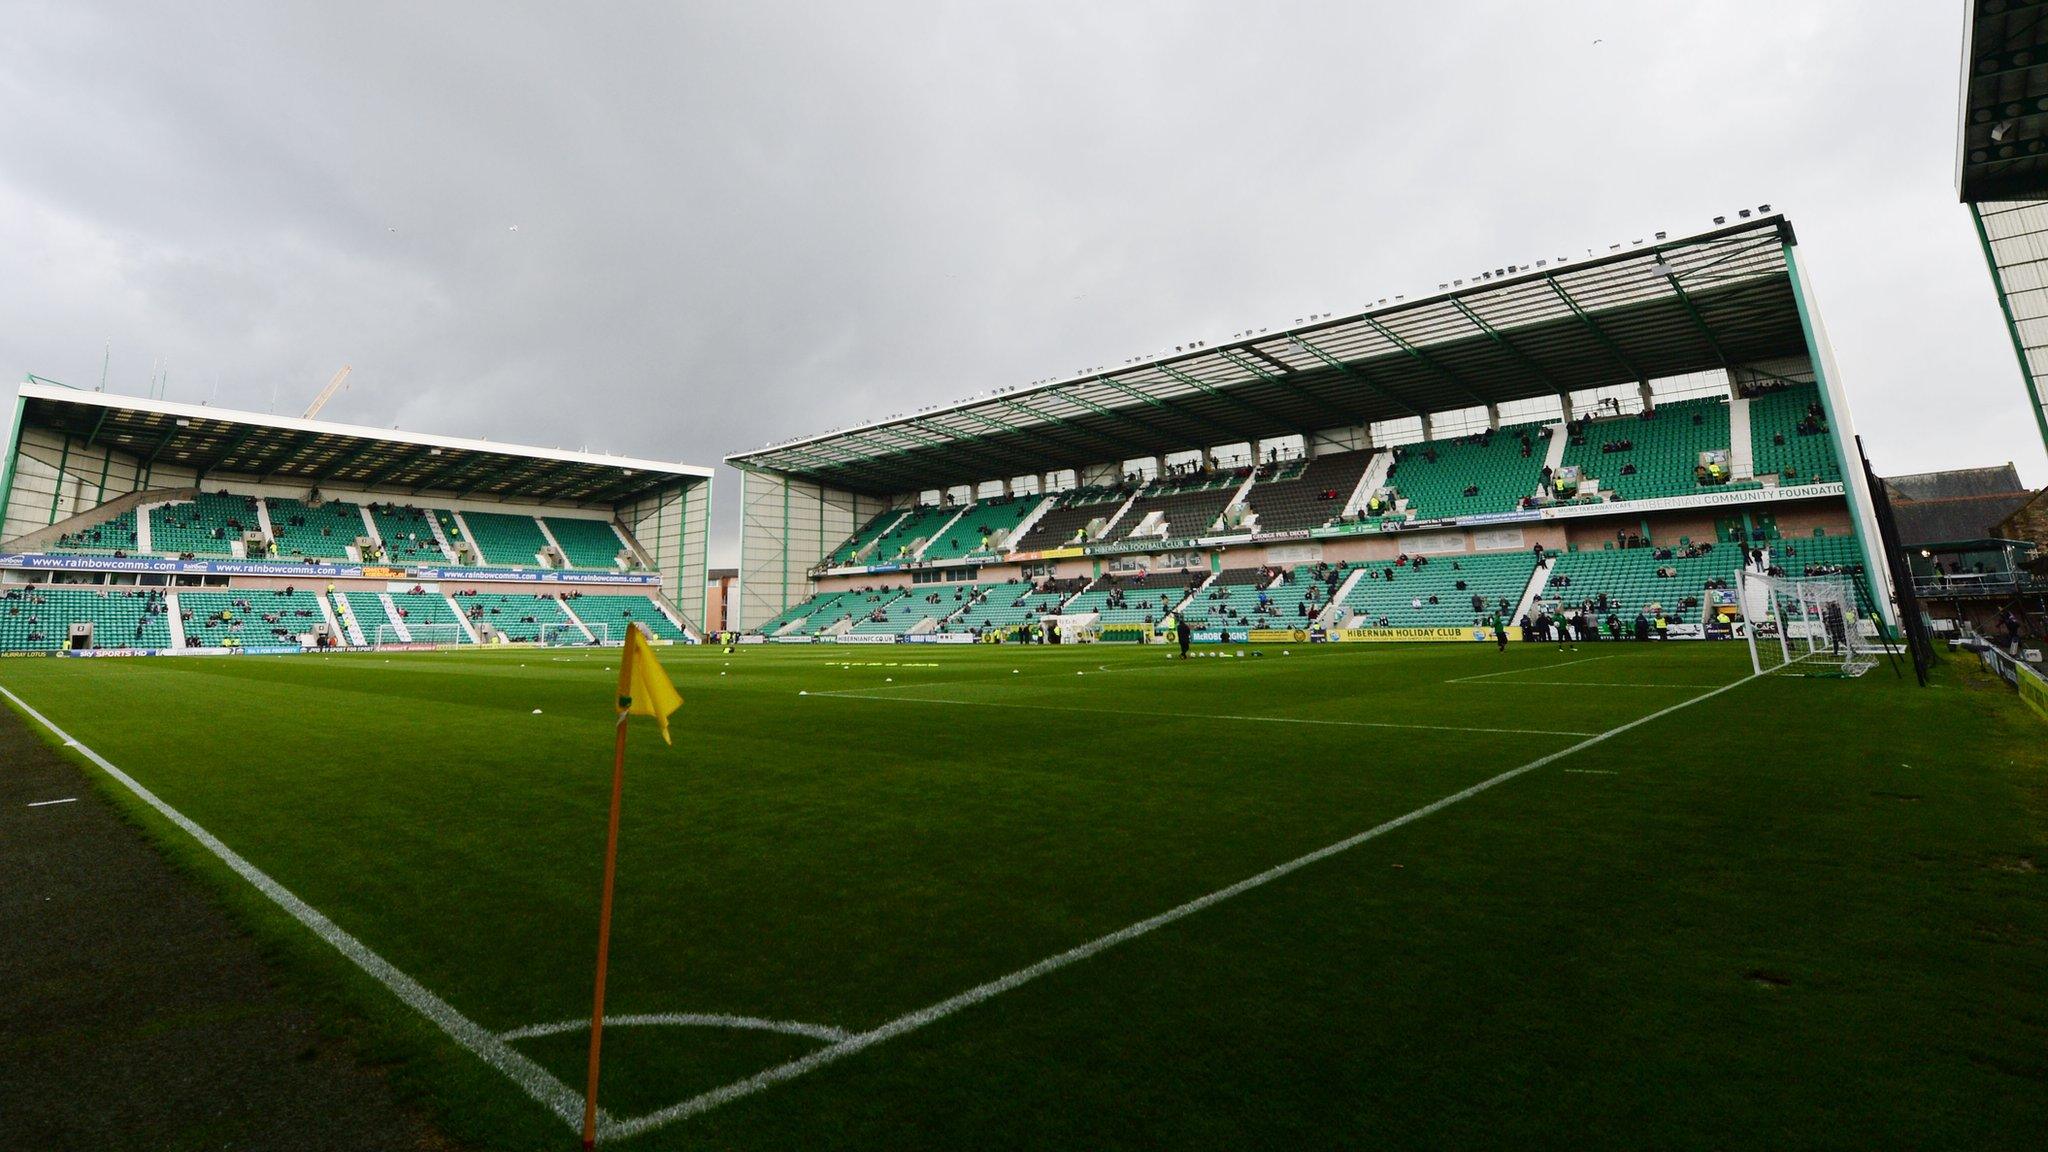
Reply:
x=566, y=635
x=420, y=634
x=1806, y=620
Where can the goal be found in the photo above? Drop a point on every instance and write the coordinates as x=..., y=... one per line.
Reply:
x=1805, y=620
x=420, y=634
x=566, y=635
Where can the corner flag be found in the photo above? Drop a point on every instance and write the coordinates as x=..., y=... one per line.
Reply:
x=644, y=686
x=644, y=690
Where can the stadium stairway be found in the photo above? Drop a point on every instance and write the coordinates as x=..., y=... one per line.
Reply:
x=1374, y=479
x=552, y=547
x=508, y=538
x=1109, y=525
x=408, y=609
x=1334, y=614
x=576, y=620
x=1553, y=452
x=175, y=621
x=1538, y=580
x=263, y=518
x=369, y=611
x=441, y=539
x=938, y=534
x=1741, y=453
x=1029, y=522
x=854, y=547
x=339, y=609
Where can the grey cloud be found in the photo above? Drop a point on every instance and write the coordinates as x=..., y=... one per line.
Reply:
x=744, y=222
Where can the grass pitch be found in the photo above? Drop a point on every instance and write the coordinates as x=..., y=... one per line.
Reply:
x=1794, y=912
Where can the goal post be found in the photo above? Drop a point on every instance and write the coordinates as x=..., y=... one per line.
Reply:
x=1808, y=620
x=563, y=634
x=446, y=634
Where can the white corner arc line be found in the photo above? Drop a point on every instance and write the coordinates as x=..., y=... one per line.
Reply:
x=910, y=1022
x=824, y=1032
x=47, y=803
x=1536, y=668
x=1198, y=715
x=538, y=1082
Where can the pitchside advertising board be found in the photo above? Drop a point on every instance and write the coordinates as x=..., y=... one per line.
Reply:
x=1375, y=635
x=43, y=562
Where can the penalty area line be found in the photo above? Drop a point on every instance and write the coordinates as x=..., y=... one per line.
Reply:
x=912, y=1021
x=545, y=1088
x=1538, y=668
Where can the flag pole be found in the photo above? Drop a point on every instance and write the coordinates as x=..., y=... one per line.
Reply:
x=604, y=931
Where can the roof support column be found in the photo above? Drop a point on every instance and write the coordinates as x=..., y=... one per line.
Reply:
x=1100, y=475
x=1330, y=441
x=1493, y=417
x=1650, y=402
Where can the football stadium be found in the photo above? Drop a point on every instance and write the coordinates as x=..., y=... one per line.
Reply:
x=1518, y=715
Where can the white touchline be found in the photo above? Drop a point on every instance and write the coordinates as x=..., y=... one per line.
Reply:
x=1583, y=684
x=1195, y=715
x=47, y=803
x=680, y=1019
x=1537, y=668
x=538, y=1082
x=912, y=1021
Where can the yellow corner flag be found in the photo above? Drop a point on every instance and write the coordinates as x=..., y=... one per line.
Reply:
x=644, y=686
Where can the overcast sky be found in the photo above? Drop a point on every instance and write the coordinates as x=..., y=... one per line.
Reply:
x=746, y=221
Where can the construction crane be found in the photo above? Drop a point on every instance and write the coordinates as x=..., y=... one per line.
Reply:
x=327, y=393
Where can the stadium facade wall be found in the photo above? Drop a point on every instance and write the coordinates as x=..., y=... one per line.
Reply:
x=54, y=477
x=786, y=526
x=673, y=529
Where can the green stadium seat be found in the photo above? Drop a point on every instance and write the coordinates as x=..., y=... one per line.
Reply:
x=1386, y=596
x=248, y=617
x=38, y=617
x=518, y=615
x=1664, y=449
x=209, y=524
x=114, y=534
x=505, y=539
x=1494, y=465
x=322, y=532
x=616, y=612
x=1779, y=447
x=407, y=534
x=592, y=544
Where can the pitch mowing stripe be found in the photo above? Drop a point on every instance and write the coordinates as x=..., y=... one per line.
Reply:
x=912, y=1021
x=557, y=1097
x=1191, y=715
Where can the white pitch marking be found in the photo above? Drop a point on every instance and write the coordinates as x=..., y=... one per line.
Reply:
x=823, y=1032
x=1592, y=772
x=912, y=1021
x=1539, y=668
x=557, y=1097
x=1199, y=715
x=47, y=803
x=1587, y=684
